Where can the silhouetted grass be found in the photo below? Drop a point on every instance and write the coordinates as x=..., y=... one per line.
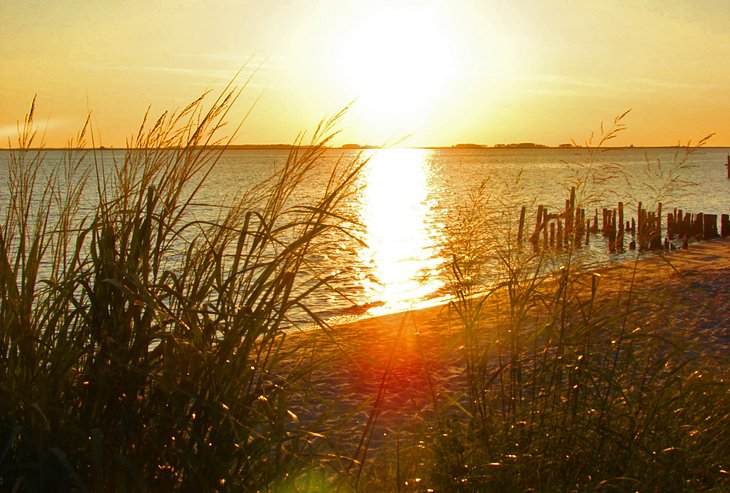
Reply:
x=571, y=384
x=572, y=388
x=141, y=347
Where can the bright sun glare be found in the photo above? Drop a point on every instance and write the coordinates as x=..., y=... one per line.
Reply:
x=396, y=63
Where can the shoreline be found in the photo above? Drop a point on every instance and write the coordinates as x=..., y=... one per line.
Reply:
x=683, y=258
x=410, y=365
x=366, y=147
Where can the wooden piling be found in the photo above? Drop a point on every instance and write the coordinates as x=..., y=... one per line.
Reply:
x=699, y=228
x=620, y=235
x=709, y=227
x=654, y=224
x=538, y=222
x=521, y=227
x=640, y=234
x=559, y=237
x=570, y=218
x=571, y=227
x=552, y=234
x=611, y=229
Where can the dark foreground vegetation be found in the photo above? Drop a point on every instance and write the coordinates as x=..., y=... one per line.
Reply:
x=142, y=349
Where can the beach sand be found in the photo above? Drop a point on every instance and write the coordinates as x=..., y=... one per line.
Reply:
x=406, y=362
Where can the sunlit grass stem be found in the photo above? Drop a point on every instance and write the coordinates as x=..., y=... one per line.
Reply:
x=148, y=354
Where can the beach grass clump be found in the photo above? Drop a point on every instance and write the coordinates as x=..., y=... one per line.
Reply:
x=572, y=386
x=599, y=400
x=146, y=344
x=141, y=346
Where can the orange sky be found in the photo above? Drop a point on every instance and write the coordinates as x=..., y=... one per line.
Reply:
x=443, y=72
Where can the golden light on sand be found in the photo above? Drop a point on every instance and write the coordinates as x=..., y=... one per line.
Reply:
x=396, y=63
x=396, y=212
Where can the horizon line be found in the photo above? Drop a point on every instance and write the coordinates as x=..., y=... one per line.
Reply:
x=355, y=147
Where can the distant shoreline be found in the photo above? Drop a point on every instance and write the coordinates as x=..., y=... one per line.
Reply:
x=354, y=147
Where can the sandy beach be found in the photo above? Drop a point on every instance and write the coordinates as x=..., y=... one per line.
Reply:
x=409, y=362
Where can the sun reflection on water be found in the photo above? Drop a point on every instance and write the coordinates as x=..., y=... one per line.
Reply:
x=397, y=212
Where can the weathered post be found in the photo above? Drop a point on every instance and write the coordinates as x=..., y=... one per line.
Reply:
x=570, y=218
x=552, y=234
x=655, y=235
x=700, y=226
x=728, y=166
x=710, y=227
x=521, y=227
x=559, y=237
x=535, y=238
x=677, y=226
x=620, y=236
x=640, y=235
x=656, y=229
x=611, y=231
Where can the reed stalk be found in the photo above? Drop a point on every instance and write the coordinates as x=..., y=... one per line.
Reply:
x=577, y=389
x=141, y=347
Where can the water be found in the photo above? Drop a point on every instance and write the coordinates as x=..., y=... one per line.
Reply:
x=407, y=198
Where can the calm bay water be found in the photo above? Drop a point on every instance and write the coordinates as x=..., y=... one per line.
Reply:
x=407, y=197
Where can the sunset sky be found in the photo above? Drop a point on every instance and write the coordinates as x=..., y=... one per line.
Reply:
x=443, y=72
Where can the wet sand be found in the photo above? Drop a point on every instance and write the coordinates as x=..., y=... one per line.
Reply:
x=407, y=363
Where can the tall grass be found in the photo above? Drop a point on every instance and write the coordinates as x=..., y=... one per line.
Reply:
x=572, y=387
x=140, y=346
x=144, y=348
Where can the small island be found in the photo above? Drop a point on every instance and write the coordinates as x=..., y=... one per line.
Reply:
x=521, y=145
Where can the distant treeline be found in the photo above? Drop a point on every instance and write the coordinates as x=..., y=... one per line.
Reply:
x=464, y=146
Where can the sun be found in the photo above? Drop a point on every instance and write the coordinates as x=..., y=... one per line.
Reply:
x=397, y=63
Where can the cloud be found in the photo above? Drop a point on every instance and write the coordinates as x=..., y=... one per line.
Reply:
x=9, y=131
x=673, y=84
x=186, y=74
x=562, y=84
x=189, y=71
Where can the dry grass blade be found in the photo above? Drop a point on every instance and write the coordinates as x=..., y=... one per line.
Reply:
x=151, y=356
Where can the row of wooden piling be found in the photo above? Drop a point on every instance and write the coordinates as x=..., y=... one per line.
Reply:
x=557, y=229
x=700, y=226
x=571, y=228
